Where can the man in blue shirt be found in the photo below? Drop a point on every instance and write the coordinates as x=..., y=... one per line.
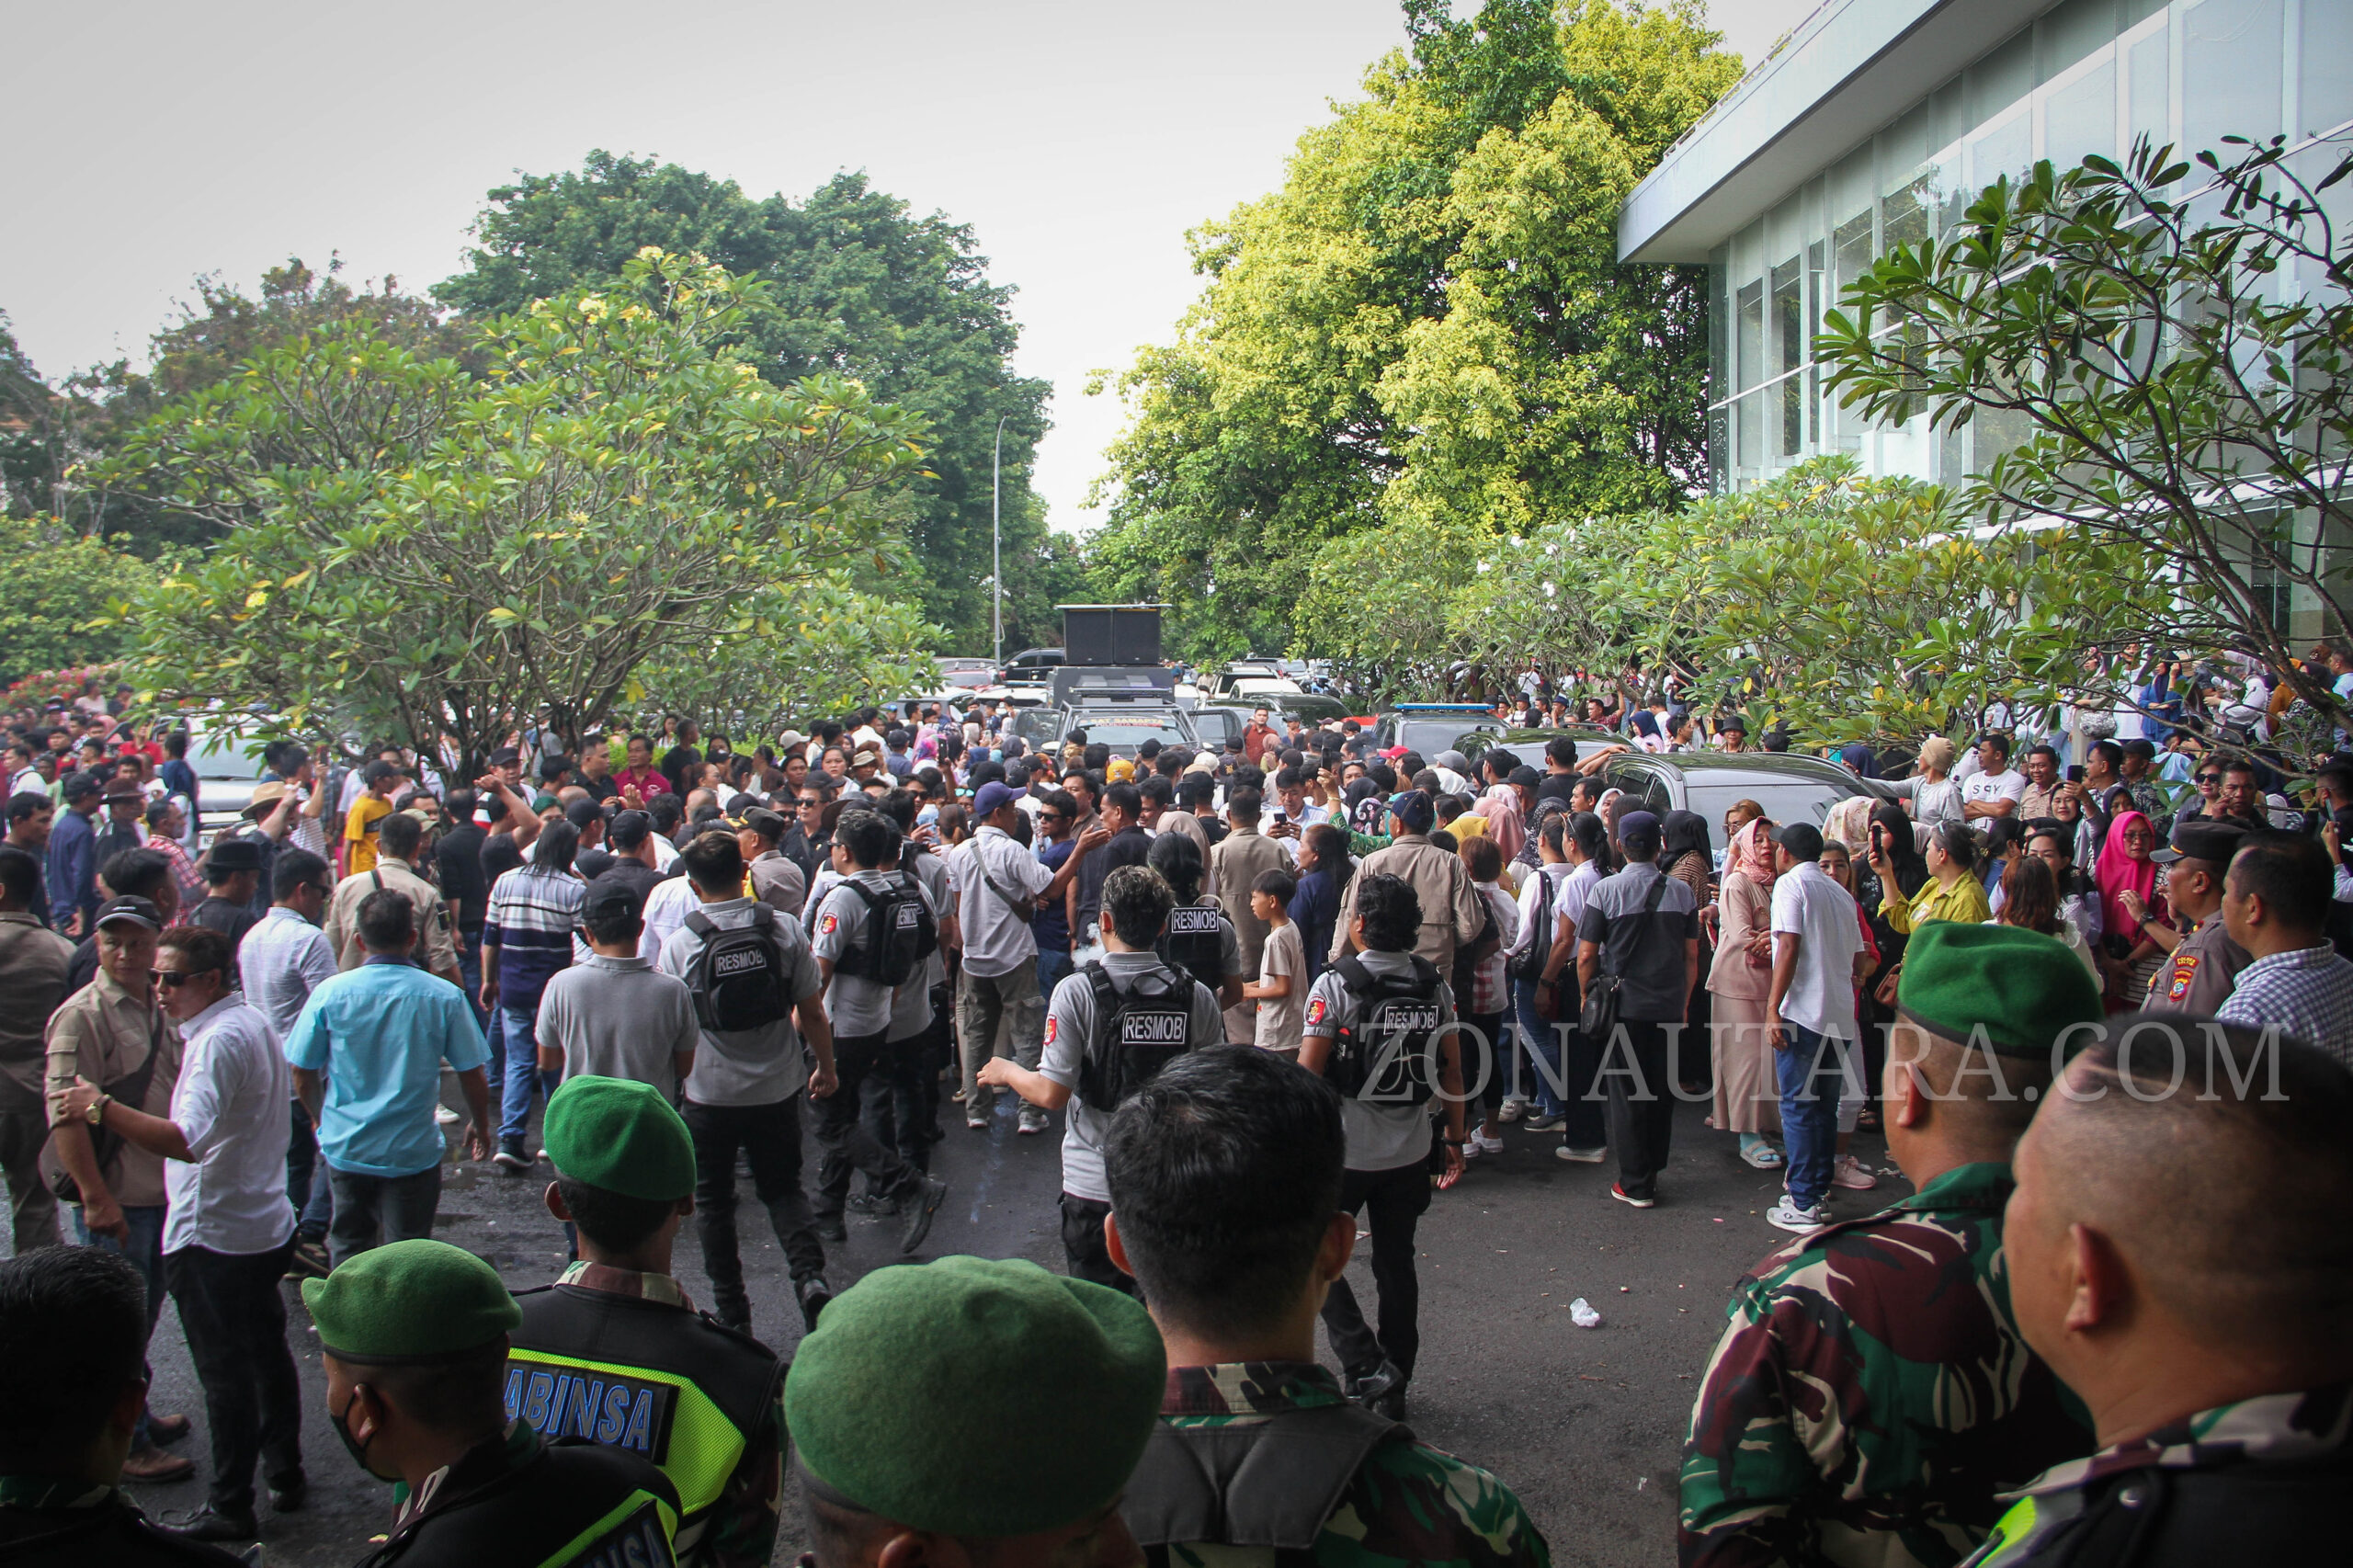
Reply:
x=73, y=857
x=370, y=1042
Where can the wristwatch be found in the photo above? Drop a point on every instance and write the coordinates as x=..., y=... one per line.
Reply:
x=97, y=1113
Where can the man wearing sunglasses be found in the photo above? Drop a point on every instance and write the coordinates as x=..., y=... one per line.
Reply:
x=229, y=1230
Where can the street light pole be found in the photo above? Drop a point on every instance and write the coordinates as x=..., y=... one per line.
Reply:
x=997, y=541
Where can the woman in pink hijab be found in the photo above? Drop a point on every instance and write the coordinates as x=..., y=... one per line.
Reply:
x=1748, y=1096
x=2124, y=867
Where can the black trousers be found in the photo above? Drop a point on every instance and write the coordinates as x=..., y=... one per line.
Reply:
x=1641, y=1102
x=891, y=1106
x=1086, y=1255
x=846, y=1143
x=1392, y=1202
x=235, y=1323
x=770, y=1138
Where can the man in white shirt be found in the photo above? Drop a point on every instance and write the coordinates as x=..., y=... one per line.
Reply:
x=1995, y=789
x=228, y=1229
x=281, y=960
x=1818, y=958
x=999, y=886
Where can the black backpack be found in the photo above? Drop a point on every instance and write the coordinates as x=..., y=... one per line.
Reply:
x=900, y=933
x=1389, y=1052
x=1136, y=1034
x=738, y=977
x=1194, y=943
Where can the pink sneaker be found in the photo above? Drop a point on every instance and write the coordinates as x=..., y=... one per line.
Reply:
x=1849, y=1173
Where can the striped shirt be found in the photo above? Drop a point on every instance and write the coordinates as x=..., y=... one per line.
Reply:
x=532, y=912
x=2308, y=994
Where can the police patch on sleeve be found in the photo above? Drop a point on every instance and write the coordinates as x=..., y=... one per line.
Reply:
x=1051, y=1024
x=827, y=925
x=2184, y=969
x=1315, y=1011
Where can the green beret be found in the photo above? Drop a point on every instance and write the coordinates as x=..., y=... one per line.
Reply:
x=418, y=1300
x=2023, y=989
x=621, y=1136
x=976, y=1397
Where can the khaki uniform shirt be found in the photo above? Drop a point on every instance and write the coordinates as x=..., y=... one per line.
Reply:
x=32, y=983
x=777, y=882
x=1177, y=821
x=2201, y=974
x=103, y=1033
x=435, y=950
x=1451, y=911
x=1240, y=858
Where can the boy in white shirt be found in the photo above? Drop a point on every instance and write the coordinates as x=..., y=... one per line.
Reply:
x=1280, y=989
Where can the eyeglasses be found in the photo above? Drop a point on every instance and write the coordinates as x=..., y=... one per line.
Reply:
x=172, y=979
x=2209, y=778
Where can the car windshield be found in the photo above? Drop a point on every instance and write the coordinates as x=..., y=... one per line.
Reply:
x=1431, y=736
x=1784, y=800
x=217, y=755
x=1127, y=737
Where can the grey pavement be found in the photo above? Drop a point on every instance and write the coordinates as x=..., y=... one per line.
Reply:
x=1585, y=1424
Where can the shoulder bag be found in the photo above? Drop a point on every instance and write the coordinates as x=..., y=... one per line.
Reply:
x=105, y=1147
x=1599, y=1014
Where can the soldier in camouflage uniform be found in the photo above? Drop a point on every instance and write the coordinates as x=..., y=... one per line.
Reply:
x=1872, y=1394
x=1225, y=1175
x=2180, y=1257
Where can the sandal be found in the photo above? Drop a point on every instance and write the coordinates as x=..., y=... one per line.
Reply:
x=1764, y=1156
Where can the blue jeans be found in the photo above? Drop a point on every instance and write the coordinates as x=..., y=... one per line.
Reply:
x=470, y=970
x=1810, y=1069
x=307, y=1186
x=146, y=1250
x=520, y=1031
x=1541, y=1042
x=1054, y=963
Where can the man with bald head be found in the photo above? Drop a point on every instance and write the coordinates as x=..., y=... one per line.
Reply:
x=2179, y=1256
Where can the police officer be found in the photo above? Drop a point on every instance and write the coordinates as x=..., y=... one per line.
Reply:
x=2205, y=963
x=1847, y=1413
x=413, y=1338
x=2177, y=1253
x=1037, y=1396
x=1380, y=1028
x=1109, y=1028
x=614, y=1349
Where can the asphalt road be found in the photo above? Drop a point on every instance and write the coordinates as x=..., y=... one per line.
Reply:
x=1585, y=1424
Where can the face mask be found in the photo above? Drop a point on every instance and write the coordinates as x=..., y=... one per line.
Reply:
x=352, y=1446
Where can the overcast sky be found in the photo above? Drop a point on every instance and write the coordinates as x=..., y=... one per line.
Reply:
x=1080, y=138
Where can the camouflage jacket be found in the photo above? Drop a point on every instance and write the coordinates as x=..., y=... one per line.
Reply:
x=1872, y=1394
x=1409, y=1503
x=2069, y=1511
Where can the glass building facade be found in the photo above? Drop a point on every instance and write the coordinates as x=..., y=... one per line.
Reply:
x=2086, y=76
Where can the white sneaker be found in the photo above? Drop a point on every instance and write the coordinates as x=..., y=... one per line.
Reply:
x=444, y=1116
x=1031, y=1124
x=1480, y=1144
x=1849, y=1173
x=1790, y=1217
x=1581, y=1156
x=1513, y=1109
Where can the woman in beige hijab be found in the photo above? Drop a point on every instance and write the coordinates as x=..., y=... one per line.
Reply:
x=1748, y=1098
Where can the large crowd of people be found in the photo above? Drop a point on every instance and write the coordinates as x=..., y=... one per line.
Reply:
x=1273, y=995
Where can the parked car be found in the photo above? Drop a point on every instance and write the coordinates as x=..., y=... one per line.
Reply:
x=1429, y=728
x=1122, y=726
x=1031, y=667
x=1791, y=788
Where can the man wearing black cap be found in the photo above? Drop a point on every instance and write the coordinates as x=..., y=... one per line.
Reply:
x=1641, y=926
x=776, y=880
x=2205, y=963
x=232, y=876
x=112, y=1033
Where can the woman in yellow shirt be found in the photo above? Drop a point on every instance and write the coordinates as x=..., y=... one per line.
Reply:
x=1952, y=890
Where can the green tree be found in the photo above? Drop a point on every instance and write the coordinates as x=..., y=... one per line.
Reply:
x=856, y=287
x=1427, y=322
x=54, y=584
x=413, y=550
x=2168, y=354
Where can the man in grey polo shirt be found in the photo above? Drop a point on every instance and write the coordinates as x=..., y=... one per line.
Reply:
x=616, y=1016
x=1647, y=935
